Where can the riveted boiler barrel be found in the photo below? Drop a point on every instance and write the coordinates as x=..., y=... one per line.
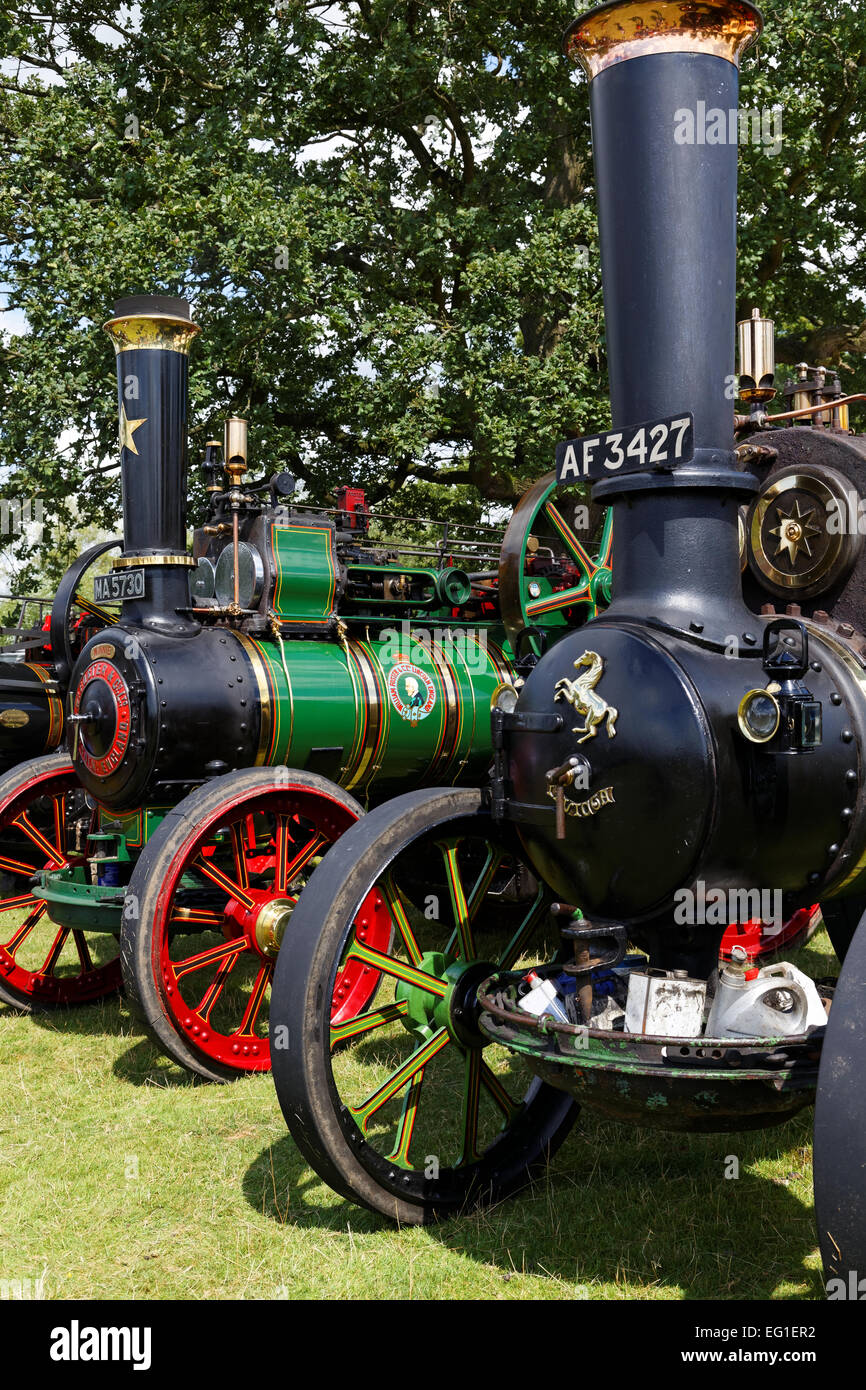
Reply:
x=374, y=715
x=31, y=712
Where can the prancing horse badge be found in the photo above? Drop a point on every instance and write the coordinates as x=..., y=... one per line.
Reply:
x=581, y=694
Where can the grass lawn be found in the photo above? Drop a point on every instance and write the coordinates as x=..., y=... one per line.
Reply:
x=120, y=1177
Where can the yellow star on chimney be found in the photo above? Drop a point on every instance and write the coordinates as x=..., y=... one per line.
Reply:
x=127, y=430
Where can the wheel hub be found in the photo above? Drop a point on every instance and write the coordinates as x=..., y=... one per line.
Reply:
x=270, y=926
x=600, y=585
x=464, y=1009
x=456, y=1009
x=263, y=923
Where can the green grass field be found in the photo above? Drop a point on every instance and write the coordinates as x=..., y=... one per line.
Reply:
x=120, y=1177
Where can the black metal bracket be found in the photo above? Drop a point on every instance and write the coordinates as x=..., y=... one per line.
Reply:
x=788, y=659
x=503, y=723
x=593, y=939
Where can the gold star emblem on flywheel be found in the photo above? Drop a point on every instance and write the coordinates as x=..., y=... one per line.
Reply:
x=795, y=530
x=127, y=430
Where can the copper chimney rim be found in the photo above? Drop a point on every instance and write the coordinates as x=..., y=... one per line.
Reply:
x=622, y=29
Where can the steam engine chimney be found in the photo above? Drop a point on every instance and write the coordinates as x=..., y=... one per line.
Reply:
x=667, y=224
x=152, y=336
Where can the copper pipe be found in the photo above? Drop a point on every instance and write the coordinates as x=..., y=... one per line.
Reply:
x=560, y=812
x=813, y=410
x=583, y=961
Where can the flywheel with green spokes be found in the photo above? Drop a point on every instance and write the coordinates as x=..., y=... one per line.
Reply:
x=554, y=567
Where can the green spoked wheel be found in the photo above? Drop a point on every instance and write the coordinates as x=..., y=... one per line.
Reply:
x=44, y=820
x=211, y=898
x=554, y=567
x=405, y=1107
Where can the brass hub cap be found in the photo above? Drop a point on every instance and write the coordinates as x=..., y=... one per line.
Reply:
x=800, y=541
x=271, y=925
x=795, y=530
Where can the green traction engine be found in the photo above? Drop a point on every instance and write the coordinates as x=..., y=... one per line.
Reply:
x=241, y=706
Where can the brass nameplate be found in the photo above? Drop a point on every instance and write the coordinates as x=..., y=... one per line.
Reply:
x=14, y=718
x=586, y=808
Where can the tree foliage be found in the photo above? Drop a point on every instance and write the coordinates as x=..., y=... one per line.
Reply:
x=382, y=212
x=803, y=212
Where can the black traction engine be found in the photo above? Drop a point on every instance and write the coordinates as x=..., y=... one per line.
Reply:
x=683, y=745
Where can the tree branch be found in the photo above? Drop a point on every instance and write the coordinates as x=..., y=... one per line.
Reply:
x=447, y=104
x=433, y=170
x=824, y=345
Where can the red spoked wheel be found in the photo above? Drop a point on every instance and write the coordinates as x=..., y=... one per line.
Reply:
x=209, y=903
x=44, y=821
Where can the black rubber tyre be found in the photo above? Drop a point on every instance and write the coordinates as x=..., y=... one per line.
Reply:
x=841, y=917
x=324, y=932
x=840, y=1125
x=174, y=845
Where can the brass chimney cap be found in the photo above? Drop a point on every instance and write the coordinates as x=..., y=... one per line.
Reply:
x=622, y=29
x=157, y=321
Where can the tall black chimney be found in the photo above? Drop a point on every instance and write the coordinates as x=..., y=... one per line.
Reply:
x=666, y=197
x=152, y=336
